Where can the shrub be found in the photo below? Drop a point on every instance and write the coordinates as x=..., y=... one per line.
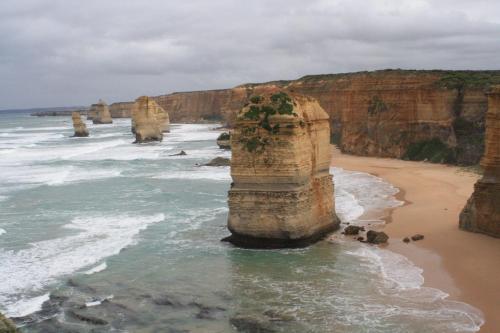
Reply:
x=224, y=136
x=433, y=150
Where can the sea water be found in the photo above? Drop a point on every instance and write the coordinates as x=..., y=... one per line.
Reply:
x=130, y=234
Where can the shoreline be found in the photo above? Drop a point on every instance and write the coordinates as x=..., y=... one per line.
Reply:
x=465, y=265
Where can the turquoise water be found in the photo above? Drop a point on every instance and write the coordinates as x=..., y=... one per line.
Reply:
x=101, y=228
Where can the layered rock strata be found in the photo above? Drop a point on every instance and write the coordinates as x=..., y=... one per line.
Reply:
x=161, y=115
x=121, y=109
x=146, y=126
x=482, y=211
x=99, y=113
x=79, y=126
x=282, y=191
x=418, y=115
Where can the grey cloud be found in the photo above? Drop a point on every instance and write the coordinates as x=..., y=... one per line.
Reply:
x=67, y=52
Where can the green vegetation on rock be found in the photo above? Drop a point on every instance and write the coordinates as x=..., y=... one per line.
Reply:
x=469, y=79
x=224, y=136
x=377, y=105
x=433, y=150
x=280, y=104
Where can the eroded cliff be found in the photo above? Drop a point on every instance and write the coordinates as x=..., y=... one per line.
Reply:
x=482, y=211
x=282, y=191
x=121, y=109
x=418, y=115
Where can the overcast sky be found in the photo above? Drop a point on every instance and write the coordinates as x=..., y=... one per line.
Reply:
x=73, y=52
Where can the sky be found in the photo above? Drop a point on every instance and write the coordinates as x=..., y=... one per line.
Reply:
x=73, y=52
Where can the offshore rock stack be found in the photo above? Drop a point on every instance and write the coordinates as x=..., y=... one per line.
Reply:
x=148, y=120
x=482, y=211
x=99, y=113
x=282, y=191
x=79, y=126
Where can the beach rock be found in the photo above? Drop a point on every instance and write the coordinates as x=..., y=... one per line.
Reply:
x=417, y=237
x=219, y=161
x=224, y=140
x=181, y=153
x=146, y=125
x=252, y=324
x=99, y=113
x=352, y=230
x=406, y=240
x=376, y=237
x=482, y=211
x=7, y=325
x=86, y=318
x=280, y=168
x=79, y=126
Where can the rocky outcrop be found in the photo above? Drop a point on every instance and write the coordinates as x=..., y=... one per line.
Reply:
x=282, y=191
x=418, y=115
x=6, y=325
x=121, y=109
x=219, y=161
x=99, y=113
x=482, y=211
x=161, y=115
x=224, y=140
x=79, y=126
x=144, y=119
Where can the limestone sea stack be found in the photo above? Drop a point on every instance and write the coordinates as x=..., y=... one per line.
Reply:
x=282, y=191
x=160, y=114
x=79, y=126
x=101, y=112
x=482, y=211
x=145, y=122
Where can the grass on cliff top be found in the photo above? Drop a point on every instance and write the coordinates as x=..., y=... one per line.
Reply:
x=449, y=79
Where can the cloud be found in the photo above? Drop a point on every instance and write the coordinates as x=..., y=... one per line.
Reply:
x=68, y=52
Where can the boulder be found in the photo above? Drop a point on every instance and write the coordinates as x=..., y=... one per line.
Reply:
x=376, y=237
x=417, y=237
x=482, y=211
x=224, y=140
x=146, y=126
x=280, y=168
x=79, y=126
x=352, y=230
x=99, y=113
x=219, y=161
x=406, y=240
x=181, y=153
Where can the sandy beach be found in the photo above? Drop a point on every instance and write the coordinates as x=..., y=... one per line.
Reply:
x=463, y=264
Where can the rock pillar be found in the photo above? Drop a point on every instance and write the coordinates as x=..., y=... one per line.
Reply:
x=79, y=126
x=482, y=211
x=282, y=191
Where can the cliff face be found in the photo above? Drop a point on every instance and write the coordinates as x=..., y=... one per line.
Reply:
x=482, y=211
x=99, y=113
x=144, y=119
x=79, y=126
x=121, y=109
x=417, y=115
x=282, y=192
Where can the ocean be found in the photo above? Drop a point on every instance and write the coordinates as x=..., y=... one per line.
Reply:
x=101, y=235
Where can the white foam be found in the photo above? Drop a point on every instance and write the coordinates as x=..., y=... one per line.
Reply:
x=52, y=176
x=198, y=173
x=27, y=305
x=98, y=301
x=29, y=271
x=96, y=269
x=192, y=132
x=357, y=193
x=2, y=231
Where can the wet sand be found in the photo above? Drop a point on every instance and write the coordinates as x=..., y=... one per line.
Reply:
x=463, y=264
